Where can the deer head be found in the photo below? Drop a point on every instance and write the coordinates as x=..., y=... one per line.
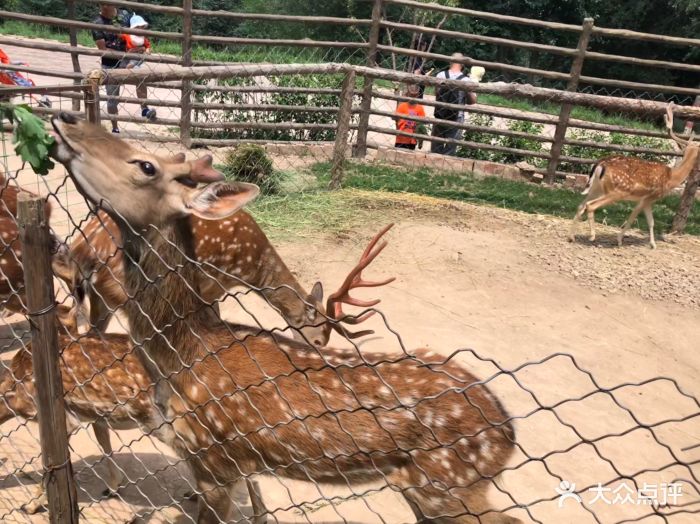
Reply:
x=138, y=187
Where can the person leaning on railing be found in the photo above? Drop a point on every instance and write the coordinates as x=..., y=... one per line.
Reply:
x=453, y=96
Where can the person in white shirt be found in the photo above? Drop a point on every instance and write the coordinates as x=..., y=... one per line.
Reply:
x=452, y=96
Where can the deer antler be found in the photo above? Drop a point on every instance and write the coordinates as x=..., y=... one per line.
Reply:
x=334, y=305
x=668, y=117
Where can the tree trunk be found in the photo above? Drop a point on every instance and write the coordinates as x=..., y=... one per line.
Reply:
x=687, y=201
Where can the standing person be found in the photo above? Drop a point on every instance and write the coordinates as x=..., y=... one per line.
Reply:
x=454, y=96
x=109, y=41
x=411, y=109
x=139, y=44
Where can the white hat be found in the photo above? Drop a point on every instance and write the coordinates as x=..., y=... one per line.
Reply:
x=137, y=21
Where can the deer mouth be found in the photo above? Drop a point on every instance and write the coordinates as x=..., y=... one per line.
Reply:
x=62, y=149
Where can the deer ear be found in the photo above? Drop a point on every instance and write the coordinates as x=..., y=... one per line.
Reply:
x=220, y=200
x=317, y=292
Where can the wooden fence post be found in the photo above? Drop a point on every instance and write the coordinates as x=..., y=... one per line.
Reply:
x=360, y=149
x=73, y=39
x=680, y=220
x=341, y=136
x=92, y=97
x=38, y=278
x=565, y=113
x=186, y=93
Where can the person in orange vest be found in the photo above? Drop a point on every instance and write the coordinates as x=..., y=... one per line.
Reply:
x=139, y=44
x=411, y=109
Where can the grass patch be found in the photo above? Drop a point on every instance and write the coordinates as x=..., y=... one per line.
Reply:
x=509, y=194
x=166, y=47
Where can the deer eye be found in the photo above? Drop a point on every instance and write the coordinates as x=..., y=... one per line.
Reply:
x=147, y=168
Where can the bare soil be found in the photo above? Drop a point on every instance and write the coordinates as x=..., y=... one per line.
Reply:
x=511, y=288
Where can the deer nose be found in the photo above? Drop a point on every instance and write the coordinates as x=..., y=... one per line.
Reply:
x=67, y=118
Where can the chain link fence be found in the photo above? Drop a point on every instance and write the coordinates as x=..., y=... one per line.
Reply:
x=262, y=427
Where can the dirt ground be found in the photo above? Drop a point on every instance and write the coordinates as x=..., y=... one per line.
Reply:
x=594, y=350
x=510, y=287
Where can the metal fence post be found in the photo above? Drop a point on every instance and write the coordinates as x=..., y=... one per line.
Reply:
x=38, y=278
x=360, y=149
x=565, y=113
x=186, y=94
x=341, y=138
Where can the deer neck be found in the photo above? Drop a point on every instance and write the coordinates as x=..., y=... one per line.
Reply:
x=284, y=291
x=682, y=171
x=165, y=307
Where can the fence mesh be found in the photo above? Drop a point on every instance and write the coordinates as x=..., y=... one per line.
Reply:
x=583, y=449
x=330, y=428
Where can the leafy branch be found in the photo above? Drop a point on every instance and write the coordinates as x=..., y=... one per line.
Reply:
x=32, y=141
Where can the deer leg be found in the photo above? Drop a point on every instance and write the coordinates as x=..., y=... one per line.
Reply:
x=628, y=222
x=256, y=502
x=650, y=222
x=114, y=476
x=100, y=314
x=215, y=503
x=577, y=217
x=595, y=204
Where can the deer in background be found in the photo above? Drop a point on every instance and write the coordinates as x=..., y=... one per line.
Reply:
x=105, y=385
x=627, y=178
x=234, y=251
x=241, y=406
x=11, y=270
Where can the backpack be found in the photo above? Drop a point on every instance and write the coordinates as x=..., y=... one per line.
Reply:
x=449, y=95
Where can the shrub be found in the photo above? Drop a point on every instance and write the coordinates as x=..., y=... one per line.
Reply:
x=477, y=136
x=585, y=135
x=516, y=142
x=250, y=163
x=321, y=100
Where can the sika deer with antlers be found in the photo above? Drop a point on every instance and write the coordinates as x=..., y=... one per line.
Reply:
x=234, y=251
x=244, y=404
x=624, y=178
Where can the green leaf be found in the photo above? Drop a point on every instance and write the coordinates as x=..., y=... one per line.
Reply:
x=32, y=141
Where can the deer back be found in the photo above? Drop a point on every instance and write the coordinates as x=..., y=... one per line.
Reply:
x=233, y=252
x=634, y=177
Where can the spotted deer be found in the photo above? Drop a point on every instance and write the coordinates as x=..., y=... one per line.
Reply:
x=618, y=178
x=105, y=385
x=246, y=404
x=11, y=271
x=234, y=251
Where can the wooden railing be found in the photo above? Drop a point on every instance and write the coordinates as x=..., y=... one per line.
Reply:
x=368, y=89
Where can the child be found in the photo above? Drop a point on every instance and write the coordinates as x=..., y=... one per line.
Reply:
x=476, y=73
x=139, y=44
x=412, y=109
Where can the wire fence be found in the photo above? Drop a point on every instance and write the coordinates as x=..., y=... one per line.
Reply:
x=272, y=429
x=174, y=415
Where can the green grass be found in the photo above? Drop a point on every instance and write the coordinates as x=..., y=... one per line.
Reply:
x=199, y=52
x=509, y=194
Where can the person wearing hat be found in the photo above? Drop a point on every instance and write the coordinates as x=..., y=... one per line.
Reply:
x=452, y=96
x=109, y=41
x=139, y=44
x=409, y=109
